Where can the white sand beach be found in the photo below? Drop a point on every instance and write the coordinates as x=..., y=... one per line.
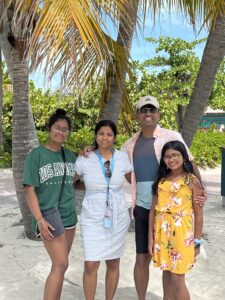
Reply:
x=24, y=264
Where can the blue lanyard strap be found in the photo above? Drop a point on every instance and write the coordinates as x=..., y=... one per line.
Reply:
x=102, y=165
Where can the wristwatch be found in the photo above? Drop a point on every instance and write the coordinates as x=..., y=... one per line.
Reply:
x=197, y=243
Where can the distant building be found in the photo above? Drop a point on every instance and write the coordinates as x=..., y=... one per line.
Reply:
x=211, y=117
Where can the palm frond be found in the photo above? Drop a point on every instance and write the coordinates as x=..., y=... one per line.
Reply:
x=69, y=36
x=203, y=12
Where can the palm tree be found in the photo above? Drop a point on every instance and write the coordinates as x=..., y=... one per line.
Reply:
x=207, y=11
x=213, y=56
x=67, y=35
x=81, y=49
x=24, y=136
x=115, y=81
x=70, y=36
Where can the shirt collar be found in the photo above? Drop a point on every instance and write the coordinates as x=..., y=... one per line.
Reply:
x=156, y=132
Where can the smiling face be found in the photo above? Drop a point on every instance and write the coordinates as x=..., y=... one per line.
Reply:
x=105, y=138
x=173, y=160
x=58, y=132
x=148, y=116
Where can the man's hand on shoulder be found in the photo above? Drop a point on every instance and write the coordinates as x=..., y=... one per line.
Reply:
x=201, y=200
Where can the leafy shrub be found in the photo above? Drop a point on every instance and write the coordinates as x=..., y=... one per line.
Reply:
x=206, y=148
x=5, y=159
x=78, y=140
x=42, y=137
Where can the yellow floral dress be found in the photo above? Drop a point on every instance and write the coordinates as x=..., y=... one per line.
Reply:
x=174, y=227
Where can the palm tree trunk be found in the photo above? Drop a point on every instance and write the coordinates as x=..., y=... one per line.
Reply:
x=1, y=103
x=24, y=136
x=115, y=89
x=6, y=50
x=213, y=55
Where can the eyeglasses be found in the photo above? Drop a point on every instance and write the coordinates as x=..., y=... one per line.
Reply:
x=145, y=110
x=108, y=172
x=58, y=129
x=173, y=156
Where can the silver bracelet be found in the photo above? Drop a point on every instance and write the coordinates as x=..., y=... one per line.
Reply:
x=40, y=221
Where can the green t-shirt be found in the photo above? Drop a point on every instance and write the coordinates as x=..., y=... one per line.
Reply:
x=43, y=169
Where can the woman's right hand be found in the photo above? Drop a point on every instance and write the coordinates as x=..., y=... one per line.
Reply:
x=44, y=229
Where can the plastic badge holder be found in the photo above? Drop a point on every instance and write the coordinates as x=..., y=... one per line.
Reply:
x=107, y=222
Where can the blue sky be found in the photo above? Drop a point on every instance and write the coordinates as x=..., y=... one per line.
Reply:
x=173, y=26
x=170, y=25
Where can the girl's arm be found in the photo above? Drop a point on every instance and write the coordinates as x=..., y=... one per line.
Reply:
x=34, y=207
x=151, y=225
x=197, y=190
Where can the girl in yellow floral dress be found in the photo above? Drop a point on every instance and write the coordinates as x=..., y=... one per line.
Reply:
x=175, y=224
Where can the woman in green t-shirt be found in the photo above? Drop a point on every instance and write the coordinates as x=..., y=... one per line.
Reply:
x=43, y=176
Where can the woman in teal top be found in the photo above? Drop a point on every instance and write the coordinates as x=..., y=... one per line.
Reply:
x=43, y=176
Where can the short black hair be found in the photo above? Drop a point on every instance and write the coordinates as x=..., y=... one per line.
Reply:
x=105, y=123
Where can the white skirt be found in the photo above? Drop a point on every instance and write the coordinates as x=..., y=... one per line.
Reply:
x=101, y=243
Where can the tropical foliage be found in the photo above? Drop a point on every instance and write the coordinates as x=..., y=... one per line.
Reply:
x=84, y=111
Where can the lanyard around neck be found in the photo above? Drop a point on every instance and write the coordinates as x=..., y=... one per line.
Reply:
x=102, y=165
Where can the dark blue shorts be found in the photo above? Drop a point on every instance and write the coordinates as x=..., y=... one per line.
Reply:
x=141, y=216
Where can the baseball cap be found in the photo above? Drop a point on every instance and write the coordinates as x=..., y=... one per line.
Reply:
x=147, y=100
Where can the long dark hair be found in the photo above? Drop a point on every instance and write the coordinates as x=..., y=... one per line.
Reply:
x=59, y=114
x=164, y=171
x=104, y=123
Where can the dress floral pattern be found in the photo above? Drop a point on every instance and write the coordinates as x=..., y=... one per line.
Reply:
x=174, y=226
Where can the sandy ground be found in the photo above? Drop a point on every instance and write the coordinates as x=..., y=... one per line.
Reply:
x=24, y=264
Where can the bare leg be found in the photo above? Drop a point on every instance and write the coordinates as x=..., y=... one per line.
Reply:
x=58, y=252
x=141, y=274
x=112, y=277
x=178, y=287
x=166, y=285
x=90, y=279
x=69, y=237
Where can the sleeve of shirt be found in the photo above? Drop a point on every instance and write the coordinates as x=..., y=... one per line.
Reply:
x=127, y=164
x=31, y=170
x=79, y=167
